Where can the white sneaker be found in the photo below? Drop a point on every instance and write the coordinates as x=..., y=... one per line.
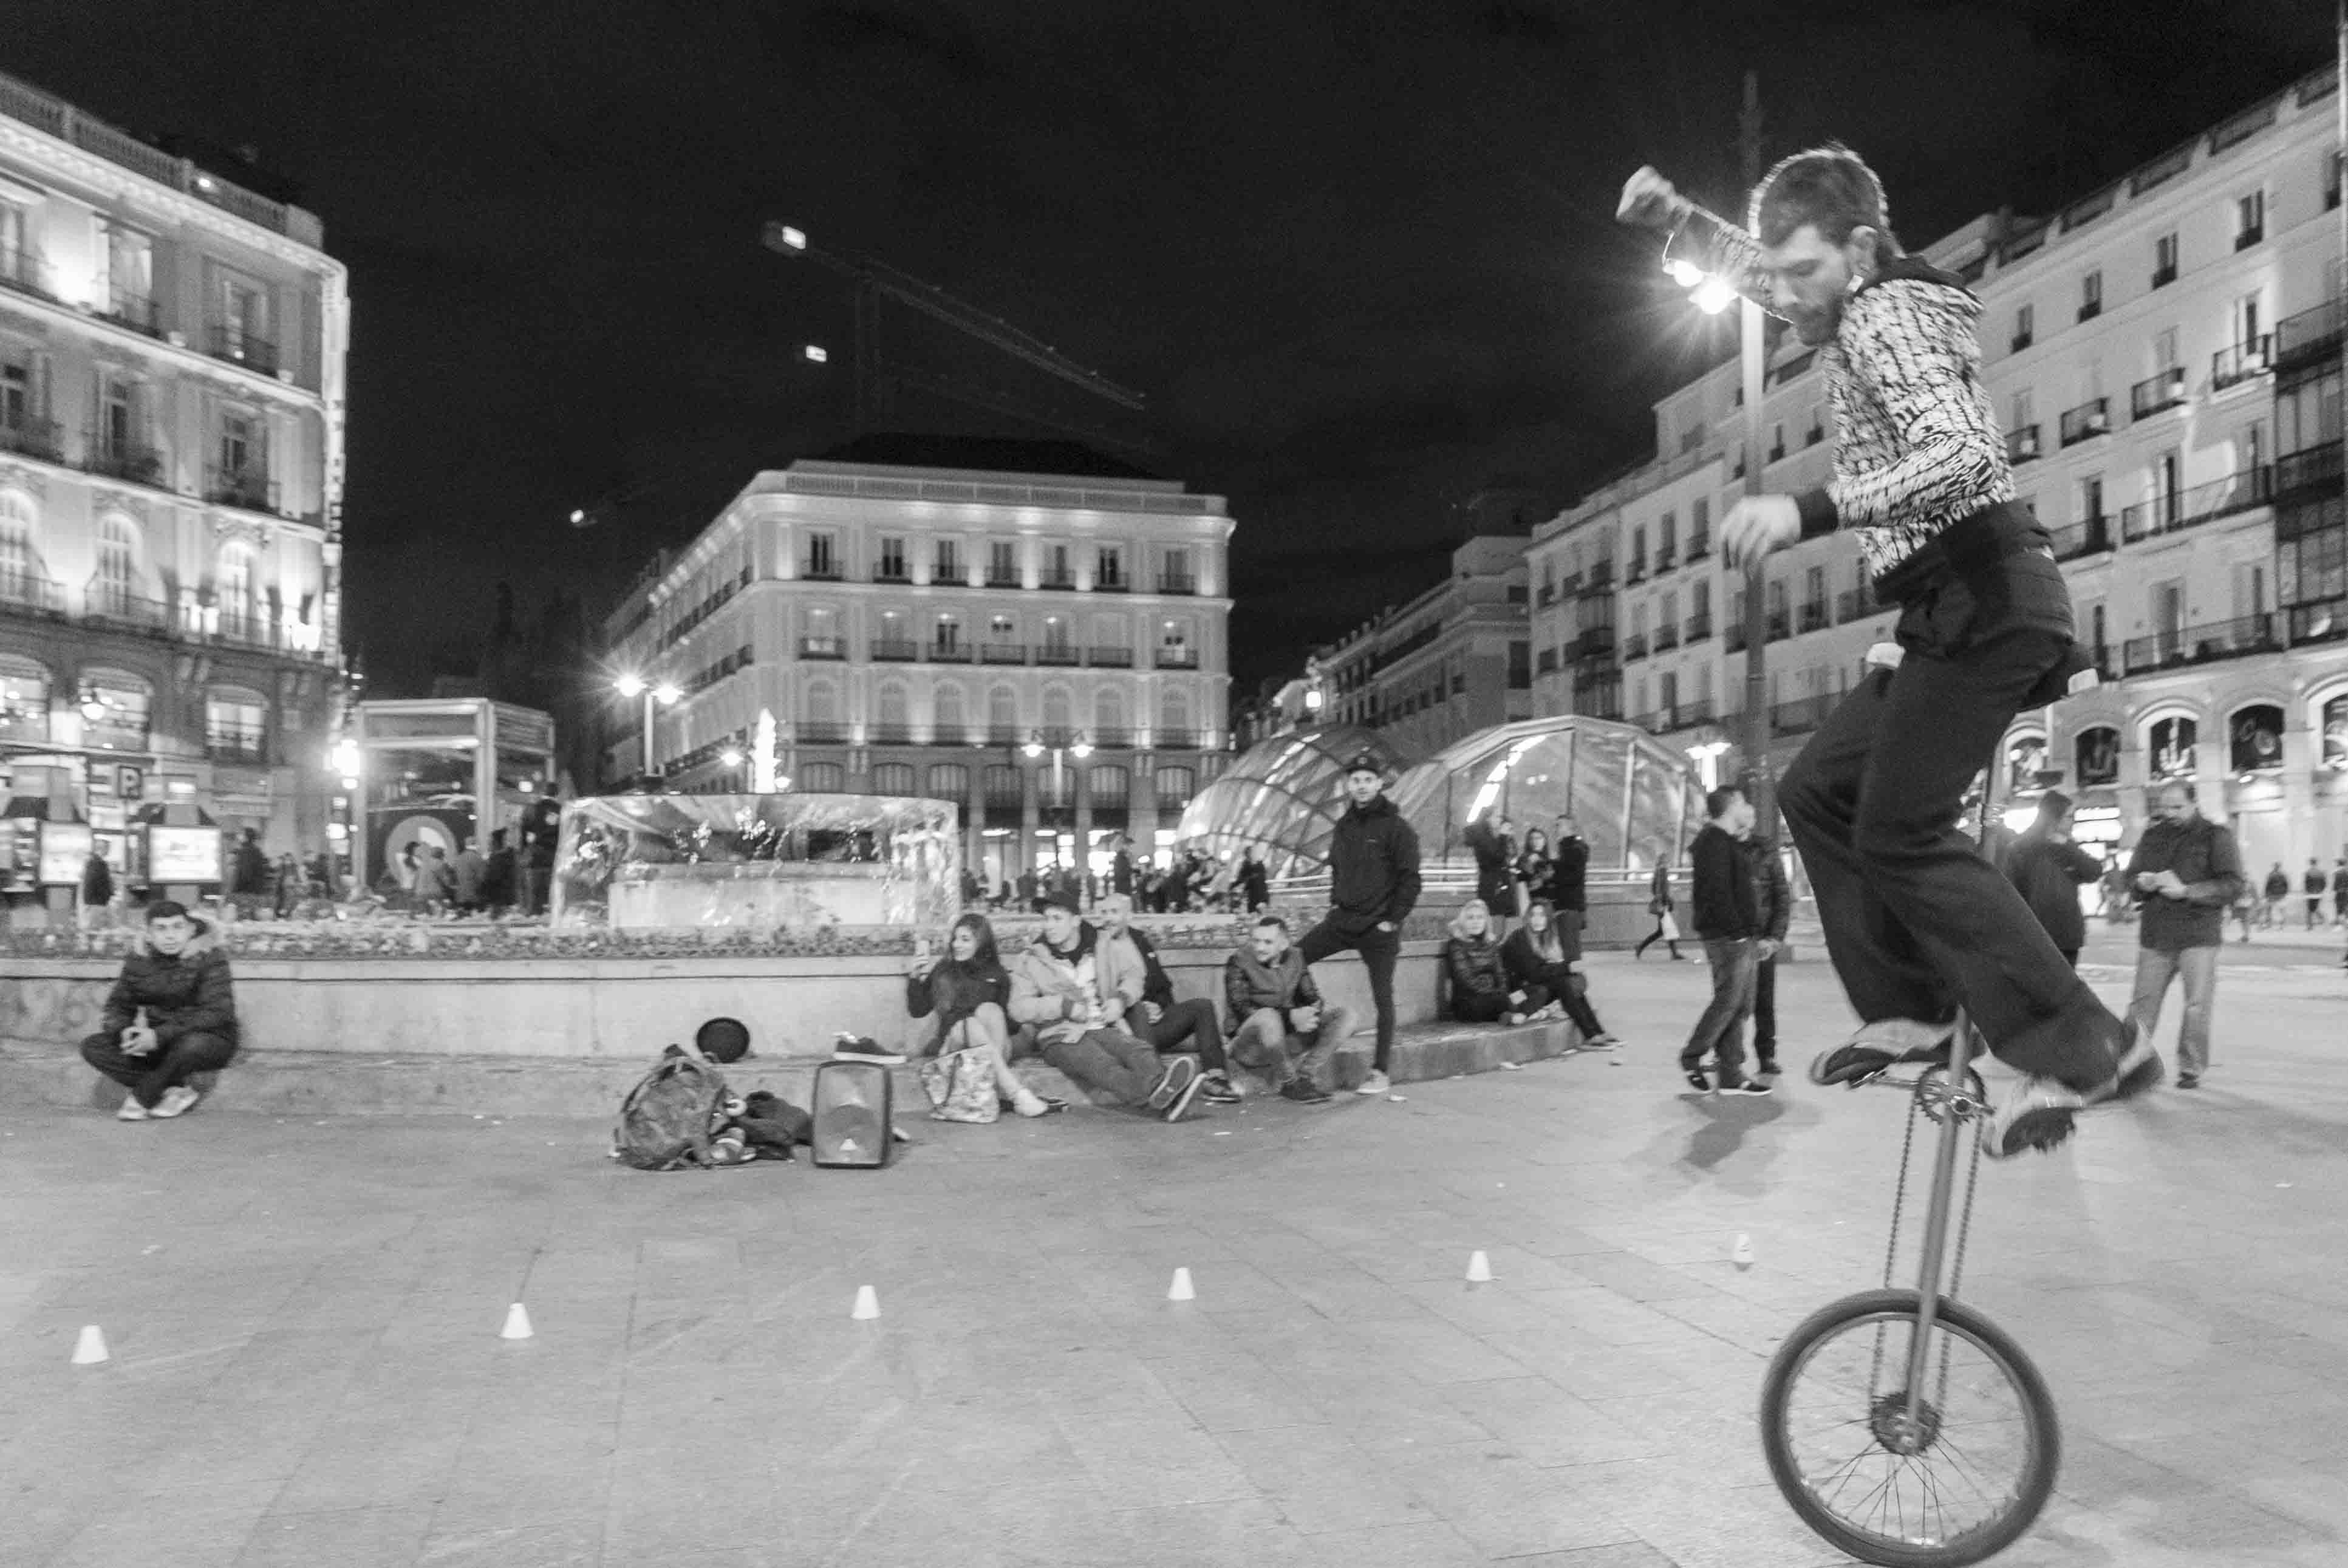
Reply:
x=177, y=1101
x=131, y=1110
x=1376, y=1083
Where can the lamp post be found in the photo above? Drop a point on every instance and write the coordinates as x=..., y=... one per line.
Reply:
x=663, y=694
x=1079, y=748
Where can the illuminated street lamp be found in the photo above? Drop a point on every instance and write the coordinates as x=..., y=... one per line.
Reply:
x=632, y=685
x=815, y=354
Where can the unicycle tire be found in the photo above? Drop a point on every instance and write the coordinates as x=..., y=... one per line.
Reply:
x=2033, y=1430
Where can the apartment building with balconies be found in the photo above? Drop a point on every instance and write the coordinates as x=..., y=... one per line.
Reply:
x=919, y=627
x=173, y=348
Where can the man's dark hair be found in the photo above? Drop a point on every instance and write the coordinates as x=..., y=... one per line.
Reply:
x=2052, y=804
x=164, y=909
x=1716, y=801
x=496, y=838
x=1829, y=186
x=1272, y=920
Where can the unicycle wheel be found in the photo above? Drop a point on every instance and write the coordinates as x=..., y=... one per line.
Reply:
x=1949, y=1478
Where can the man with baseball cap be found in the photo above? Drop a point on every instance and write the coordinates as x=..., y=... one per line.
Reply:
x=1373, y=886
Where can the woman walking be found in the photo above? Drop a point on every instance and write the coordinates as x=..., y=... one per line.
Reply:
x=1659, y=905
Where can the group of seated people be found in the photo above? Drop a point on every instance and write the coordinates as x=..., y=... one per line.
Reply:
x=1096, y=1003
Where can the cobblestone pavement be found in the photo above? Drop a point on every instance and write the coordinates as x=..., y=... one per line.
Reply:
x=307, y=1370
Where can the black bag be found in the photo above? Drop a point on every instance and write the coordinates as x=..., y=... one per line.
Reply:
x=667, y=1122
x=852, y=1108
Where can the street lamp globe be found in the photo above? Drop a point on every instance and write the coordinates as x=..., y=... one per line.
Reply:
x=1081, y=749
x=666, y=694
x=629, y=685
x=1035, y=747
x=1713, y=295
x=731, y=757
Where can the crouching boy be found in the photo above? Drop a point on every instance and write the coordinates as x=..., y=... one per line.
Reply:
x=171, y=1015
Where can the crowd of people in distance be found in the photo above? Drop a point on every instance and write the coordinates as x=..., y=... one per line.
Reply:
x=1192, y=881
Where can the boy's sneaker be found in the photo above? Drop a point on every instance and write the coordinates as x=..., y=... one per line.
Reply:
x=2038, y=1113
x=1304, y=1091
x=1217, y=1088
x=1377, y=1083
x=861, y=1048
x=2184, y=1080
x=1696, y=1080
x=2139, y=1068
x=1877, y=1046
x=1601, y=1043
x=1184, y=1097
x=177, y=1101
x=131, y=1110
x=1176, y=1082
x=1752, y=1085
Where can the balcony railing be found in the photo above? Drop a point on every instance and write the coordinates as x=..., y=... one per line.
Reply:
x=247, y=628
x=2188, y=508
x=1664, y=559
x=820, y=571
x=1112, y=740
x=2326, y=622
x=1002, y=653
x=1058, y=654
x=1105, y=658
x=1005, y=735
x=115, y=602
x=1853, y=604
x=1699, y=628
x=1635, y=572
x=1009, y=579
x=1177, y=582
x=949, y=653
x=1733, y=638
x=2202, y=643
x=1814, y=616
x=2157, y=393
x=134, y=460
x=243, y=346
x=2021, y=444
x=1677, y=716
x=2315, y=467
x=1634, y=647
x=1177, y=658
x=895, y=650
x=1803, y=714
x=2088, y=419
x=31, y=439
x=140, y=313
x=1595, y=642
x=898, y=734
x=832, y=647
x=2310, y=335
x=31, y=591
x=1780, y=628
x=1667, y=637
x=22, y=269
x=2231, y=367
x=1699, y=546
x=2163, y=276
x=2089, y=536
x=887, y=573
x=1175, y=740
x=233, y=744
x=250, y=487
x=821, y=732
x=1049, y=577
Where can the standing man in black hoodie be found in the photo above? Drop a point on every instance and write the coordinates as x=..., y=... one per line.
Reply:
x=1917, y=923
x=1373, y=887
x=2048, y=869
x=1726, y=917
x=1568, y=874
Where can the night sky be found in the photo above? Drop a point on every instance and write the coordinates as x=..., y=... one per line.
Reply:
x=1358, y=253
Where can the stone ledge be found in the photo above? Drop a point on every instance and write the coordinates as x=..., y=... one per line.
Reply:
x=323, y=1083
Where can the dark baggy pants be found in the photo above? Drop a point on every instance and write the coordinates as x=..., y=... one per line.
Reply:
x=1491, y=1007
x=1764, y=1011
x=1379, y=949
x=1917, y=922
x=1565, y=988
x=1111, y=1061
x=1720, y=1030
x=149, y=1076
x=1185, y=1026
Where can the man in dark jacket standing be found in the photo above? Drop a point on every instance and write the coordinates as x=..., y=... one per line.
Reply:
x=1568, y=874
x=2187, y=872
x=1373, y=887
x=2048, y=869
x=171, y=1015
x=1773, y=898
x=1729, y=921
x=2312, y=885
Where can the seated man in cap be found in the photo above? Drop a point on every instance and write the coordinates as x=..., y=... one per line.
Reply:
x=1062, y=986
x=171, y=1015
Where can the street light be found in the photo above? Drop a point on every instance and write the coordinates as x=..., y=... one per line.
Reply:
x=1080, y=747
x=632, y=684
x=815, y=354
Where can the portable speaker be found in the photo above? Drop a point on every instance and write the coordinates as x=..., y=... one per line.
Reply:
x=852, y=1122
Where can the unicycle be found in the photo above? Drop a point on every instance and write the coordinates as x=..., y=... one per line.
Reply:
x=1903, y=1426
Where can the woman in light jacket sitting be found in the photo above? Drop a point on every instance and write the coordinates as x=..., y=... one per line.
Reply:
x=1481, y=992
x=969, y=992
x=1543, y=953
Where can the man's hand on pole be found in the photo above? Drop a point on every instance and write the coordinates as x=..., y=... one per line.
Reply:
x=1649, y=201
x=1756, y=525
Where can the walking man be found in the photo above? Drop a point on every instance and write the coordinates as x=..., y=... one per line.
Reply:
x=1728, y=923
x=1568, y=875
x=2340, y=892
x=2278, y=893
x=2048, y=869
x=2313, y=884
x=1917, y=923
x=1373, y=887
x=1773, y=897
x=2186, y=870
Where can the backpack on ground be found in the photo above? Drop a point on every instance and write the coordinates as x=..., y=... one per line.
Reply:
x=667, y=1119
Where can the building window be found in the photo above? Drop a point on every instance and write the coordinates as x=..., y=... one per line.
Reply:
x=2170, y=749
x=1108, y=715
x=892, y=561
x=2025, y=326
x=1056, y=637
x=1056, y=568
x=235, y=595
x=822, y=778
x=2091, y=296
x=124, y=707
x=823, y=556
x=947, y=723
x=242, y=477
x=1174, y=575
x=2250, y=220
x=1003, y=711
x=948, y=634
x=21, y=579
x=24, y=700
x=948, y=782
x=949, y=561
x=2091, y=498
x=1174, y=718
x=233, y=725
x=131, y=278
x=1001, y=563
x=2164, y=261
x=1108, y=568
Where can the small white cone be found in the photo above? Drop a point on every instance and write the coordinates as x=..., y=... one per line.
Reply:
x=1741, y=1255
x=867, y=1304
x=89, y=1349
x=1479, y=1269
x=517, y=1322
x=1181, y=1289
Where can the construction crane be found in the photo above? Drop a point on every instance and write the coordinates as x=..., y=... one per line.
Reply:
x=875, y=376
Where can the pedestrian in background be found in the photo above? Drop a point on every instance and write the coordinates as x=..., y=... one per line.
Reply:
x=1568, y=875
x=2340, y=892
x=1721, y=899
x=97, y=884
x=1492, y=837
x=1773, y=898
x=1659, y=905
x=2278, y=891
x=2313, y=884
x=2186, y=870
x=2048, y=869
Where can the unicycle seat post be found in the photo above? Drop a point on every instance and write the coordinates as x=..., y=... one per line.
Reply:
x=1932, y=1256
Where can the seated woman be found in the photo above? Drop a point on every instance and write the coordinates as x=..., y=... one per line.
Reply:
x=1544, y=954
x=1481, y=991
x=969, y=992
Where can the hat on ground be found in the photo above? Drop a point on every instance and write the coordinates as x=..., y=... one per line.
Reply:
x=1365, y=762
x=722, y=1040
x=1062, y=900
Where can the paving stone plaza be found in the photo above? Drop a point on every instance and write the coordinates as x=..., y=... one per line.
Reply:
x=306, y=1368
